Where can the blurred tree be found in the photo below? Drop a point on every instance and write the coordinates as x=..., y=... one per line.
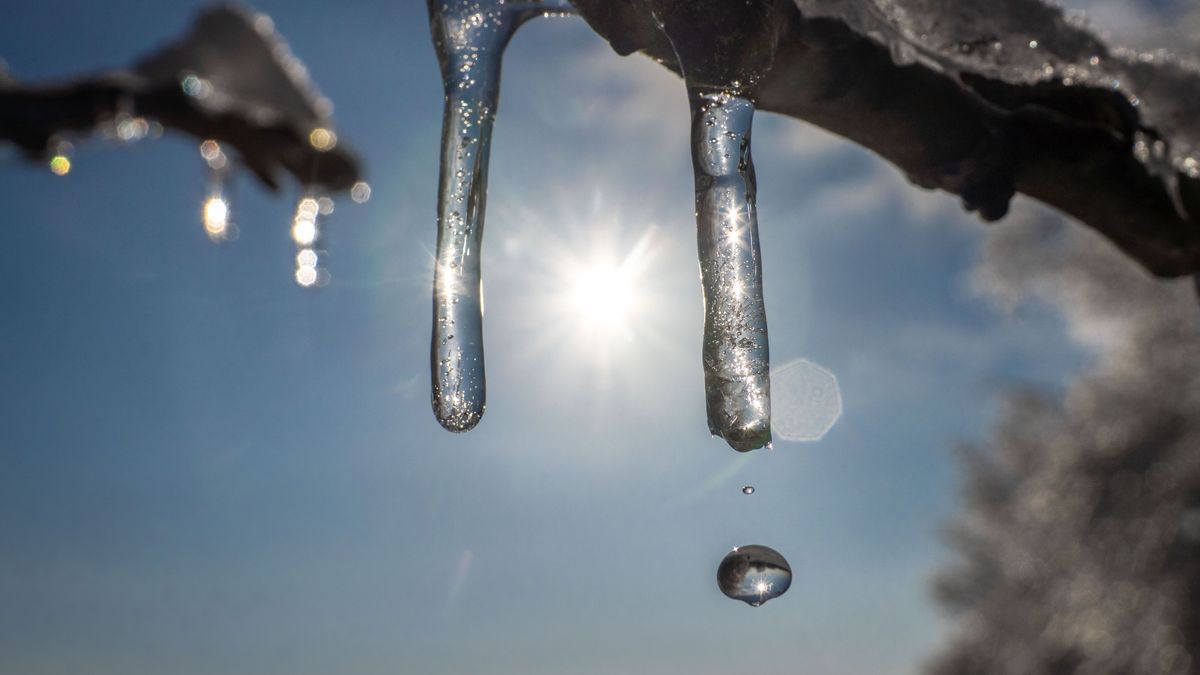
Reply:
x=1080, y=534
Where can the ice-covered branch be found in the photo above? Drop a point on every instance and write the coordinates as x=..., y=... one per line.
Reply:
x=230, y=79
x=982, y=101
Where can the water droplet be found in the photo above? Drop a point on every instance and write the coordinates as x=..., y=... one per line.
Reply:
x=748, y=490
x=754, y=574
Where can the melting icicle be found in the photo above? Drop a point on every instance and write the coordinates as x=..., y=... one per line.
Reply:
x=469, y=37
x=754, y=574
x=305, y=233
x=215, y=212
x=722, y=49
x=736, y=356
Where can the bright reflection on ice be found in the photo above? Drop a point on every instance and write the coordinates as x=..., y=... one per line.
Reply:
x=322, y=139
x=305, y=234
x=306, y=258
x=60, y=165
x=196, y=87
x=216, y=218
x=361, y=192
x=806, y=401
x=304, y=226
x=306, y=276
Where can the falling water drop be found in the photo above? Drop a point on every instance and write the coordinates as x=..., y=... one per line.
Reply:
x=735, y=353
x=469, y=37
x=754, y=574
x=748, y=490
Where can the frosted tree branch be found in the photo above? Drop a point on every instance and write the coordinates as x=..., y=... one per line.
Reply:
x=230, y=79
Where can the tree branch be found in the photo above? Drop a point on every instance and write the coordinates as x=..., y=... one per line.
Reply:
x=971, y=133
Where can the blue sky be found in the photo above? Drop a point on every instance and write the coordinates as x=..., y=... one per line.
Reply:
x=206, y=469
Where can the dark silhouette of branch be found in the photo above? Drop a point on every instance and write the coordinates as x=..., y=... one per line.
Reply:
x=230, y=79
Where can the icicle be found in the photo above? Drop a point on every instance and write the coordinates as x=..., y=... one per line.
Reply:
x=723, y=49
x=215, y=212
x=305, y=233
x=736, y=356
x=470, y=37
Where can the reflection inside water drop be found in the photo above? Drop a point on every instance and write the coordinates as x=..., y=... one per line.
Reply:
x=748, y=490
x=754, y=574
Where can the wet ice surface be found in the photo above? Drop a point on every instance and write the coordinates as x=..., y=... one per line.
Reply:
x=469, y=38
x=754, y=574
x=735, y=351
x=1029, y=41
x=808, y=401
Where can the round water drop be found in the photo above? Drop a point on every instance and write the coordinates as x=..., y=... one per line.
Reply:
x=748, y=490
x=754, y=574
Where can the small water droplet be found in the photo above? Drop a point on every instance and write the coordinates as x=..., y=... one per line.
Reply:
x=748, y=490
x=754, y=574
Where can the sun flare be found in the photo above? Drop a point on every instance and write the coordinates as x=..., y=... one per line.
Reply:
x=604, y=295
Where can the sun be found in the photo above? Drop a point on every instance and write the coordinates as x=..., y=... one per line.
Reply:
x=603, y=295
